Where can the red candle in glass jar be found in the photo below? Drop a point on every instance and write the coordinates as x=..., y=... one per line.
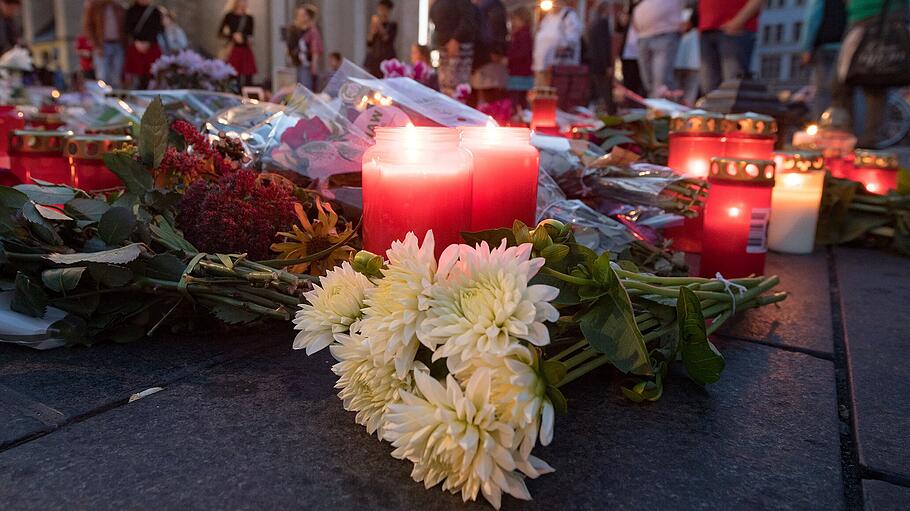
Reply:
x=840, y=166
x=505, y=176
x=696, y=136
x=44, y=121
x=876, y=170
x=543, y=109
x=736, y=217
x=125, y=128
x=750, y=136
x=416, y=179
x=86, y=159
x=10, y=119
x=39, y=155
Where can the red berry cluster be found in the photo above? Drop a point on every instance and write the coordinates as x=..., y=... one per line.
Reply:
x=235, y=214
x=201, y=146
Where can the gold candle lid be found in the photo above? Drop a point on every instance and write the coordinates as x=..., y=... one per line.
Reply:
x=93, y=147
x=751, y=124
x=38, y=141
x=543, y=93
x=697, y=121
x=46, y=117
x=125, y=128
x=753, y=172
x=877, y=159
x=800, y=161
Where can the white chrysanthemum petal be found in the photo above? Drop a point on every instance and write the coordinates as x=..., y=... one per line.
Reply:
x=334, y=306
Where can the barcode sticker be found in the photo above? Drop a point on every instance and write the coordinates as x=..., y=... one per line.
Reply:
x=758, y=231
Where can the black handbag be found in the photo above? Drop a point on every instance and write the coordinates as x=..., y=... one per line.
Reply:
x=876, y=52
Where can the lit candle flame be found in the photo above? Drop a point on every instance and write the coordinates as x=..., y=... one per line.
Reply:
x=546, y=5
x=55, y=94
x=793, y=180
x=812, y=130
x=733, y=212
x=872, y=187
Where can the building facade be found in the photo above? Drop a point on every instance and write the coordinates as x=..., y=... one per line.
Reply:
x=777, y=52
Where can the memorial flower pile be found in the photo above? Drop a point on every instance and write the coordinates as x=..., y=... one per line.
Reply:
x=190, y=70
x=458, y=362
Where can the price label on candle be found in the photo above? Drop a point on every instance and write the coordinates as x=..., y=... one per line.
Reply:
x=758, y=231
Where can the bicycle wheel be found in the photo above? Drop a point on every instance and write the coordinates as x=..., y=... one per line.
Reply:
x=897, y=120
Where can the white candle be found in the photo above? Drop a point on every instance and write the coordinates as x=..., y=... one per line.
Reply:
x=795, y=203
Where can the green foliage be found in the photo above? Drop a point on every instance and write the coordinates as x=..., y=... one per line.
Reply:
x=153, y=134
x=702, y=360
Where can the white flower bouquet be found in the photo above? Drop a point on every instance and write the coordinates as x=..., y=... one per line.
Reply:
x=457, y=362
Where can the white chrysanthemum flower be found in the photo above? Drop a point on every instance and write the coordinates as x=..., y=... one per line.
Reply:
x=333, y=307
x=519, y=392
x=483, y=304
x=367, y=385
x=394, y=308
x=454, y=437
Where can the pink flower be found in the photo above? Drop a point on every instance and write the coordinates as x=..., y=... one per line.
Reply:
x=422, y=72
x=500, y=111
x=462, y=92
x=306, y=130
x=393, y=68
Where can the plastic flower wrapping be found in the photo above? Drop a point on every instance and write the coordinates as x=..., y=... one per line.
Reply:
x=440, y=359
x=190, y=70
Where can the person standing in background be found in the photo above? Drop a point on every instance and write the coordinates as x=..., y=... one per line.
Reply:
x=381, y=39
x=558, y=41
x=688, y=58
x=826, y=21
x=727, y=39
x=237, y=31
x=173, y=38
x=10, y=33
x=142, y=24
x=104, y=27
x=600, y=56
x=658, y=24
x=520, y=56
x=628, y=53
x=490, y=75
x=84, y=52
x=305, y=45
x=454, y=36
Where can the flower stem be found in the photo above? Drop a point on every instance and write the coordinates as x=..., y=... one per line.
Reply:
x=578, y=281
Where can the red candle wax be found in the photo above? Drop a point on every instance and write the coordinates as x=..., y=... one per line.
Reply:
x=414, y=180
x=505, y=176
x=750, y=136
x=736, y=218
x=840, y=166
x=876, y=170
x=86, y=159
x=543, y=108
x=10, y=119
x=39, y=155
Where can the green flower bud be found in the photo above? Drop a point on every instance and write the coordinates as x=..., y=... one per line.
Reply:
x=540, y=239
x=368, y=263
x=521, y=231
x=555, y=253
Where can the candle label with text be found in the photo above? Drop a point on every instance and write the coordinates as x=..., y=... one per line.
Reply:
x=758, y=231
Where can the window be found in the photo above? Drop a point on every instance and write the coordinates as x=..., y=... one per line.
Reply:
x=779, y=33
x=798, y=72
x=797, y=31
x=770, y=67
x=766, y=34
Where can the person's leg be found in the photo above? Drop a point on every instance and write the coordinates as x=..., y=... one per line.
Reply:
x=646, y=64
x=100, y=61
x=876, y=98
x=736, y=55
x=823, y=61
x=663, y=55
x=115, y=64
x=710, y=61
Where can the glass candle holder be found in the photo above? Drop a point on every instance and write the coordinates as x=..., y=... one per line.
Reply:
x=39, y=155
x=504, y=178
x=795, y=201
x=416, y=179
x=750, y=136
x=49, y=121
x=543, y=109
x=696, y=136
x=736, y=217
x=11, y=119
x=876, y=170
x=85, y=154
x=124, y=128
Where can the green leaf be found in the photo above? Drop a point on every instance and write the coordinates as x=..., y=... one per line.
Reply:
x=47, y=194
x=29, y=298
x=71, y=329
x=51, y=213
x=62, y=280
x=609, y=326
x=12, y=198
x=110, y=275
x=645, y=391
x=554, y=371
x=702, y=360
x=116, y=225
x=233, y=315
x=602, y=271
x=87, y=209
x=39, y=226
x=493, y=237
x=165, y=267
x=559, y=401
x=83, y=306
x=134, y=174
x=153, y=133
x=120, y=255
x=171, y=238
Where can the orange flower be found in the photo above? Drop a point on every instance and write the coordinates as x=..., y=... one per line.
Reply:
x=313, y=238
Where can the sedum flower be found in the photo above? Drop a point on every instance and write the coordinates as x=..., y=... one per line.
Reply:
x=394, y=308
x=314, y=238
x=333, y=307
x=454, y=437
x=366, y=384
x=484, y=304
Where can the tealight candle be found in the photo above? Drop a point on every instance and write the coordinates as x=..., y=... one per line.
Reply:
x=806, y=139
x=543, y=110
x=736, y=217
x=795, y=201
x=505, y=176
x=86, y=159
x=416, y=179
x=696, y=136
x=39, y=155
x=876, y=170
x=750, y=136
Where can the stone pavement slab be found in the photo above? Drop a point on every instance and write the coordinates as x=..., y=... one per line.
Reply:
x=804, y=320
x=875, y=290
x=268, y=432
x=882, y=496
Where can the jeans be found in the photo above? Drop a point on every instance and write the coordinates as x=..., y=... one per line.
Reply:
x=724, y=57
x=823, y=61
x=109, y=64
x=656, y=57
x=305, y=77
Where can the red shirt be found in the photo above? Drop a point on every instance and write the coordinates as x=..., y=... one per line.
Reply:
x=714, y=13
x=521, y=53
x=84, y=50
